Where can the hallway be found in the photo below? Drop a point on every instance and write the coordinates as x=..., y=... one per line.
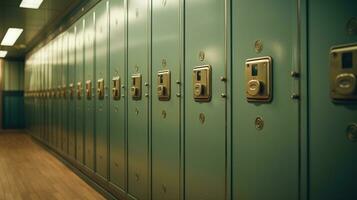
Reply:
x=27, y=171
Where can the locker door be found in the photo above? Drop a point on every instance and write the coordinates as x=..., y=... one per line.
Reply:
x=166, y=58
x=35, y=100
x=40, y=82
x=59, y=86
x=117, y=103
x=80, y=131
x=43, y=106
x=138, y=135
x=51, y=83
x=73, y=93
x=205, y=113
x=265, y=132
x=46, y=92
x=332, y=146
x=65, y=89
x=88, y=82
x=60, y=94
x=101, y=88
x=55, y=88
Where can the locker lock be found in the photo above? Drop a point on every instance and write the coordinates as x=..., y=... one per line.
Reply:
x=258, y=73
x=343, y=61
x=100, y=88
x=64, y=91
x=135, y=89
x=254, y=87
x=79, y=90
x=59, y=91
x=202, y=83
x=164, y=85
x=89, y=89
x=71, y=90
x=116, y=88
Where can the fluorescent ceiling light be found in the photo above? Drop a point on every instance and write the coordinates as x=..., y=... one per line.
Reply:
x=11, y=36
x=33, y=4
x=3, y=54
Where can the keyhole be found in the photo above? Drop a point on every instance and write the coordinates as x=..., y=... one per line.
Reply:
x=259, y=123
x=202, y=118
x=163, y=114
x=164, y=188
x=201, y=55
x=164, y=2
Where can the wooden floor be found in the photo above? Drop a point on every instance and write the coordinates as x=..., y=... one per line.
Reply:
x=27, y=171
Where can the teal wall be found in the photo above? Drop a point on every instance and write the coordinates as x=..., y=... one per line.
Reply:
x=13, y=76
x=12, y=94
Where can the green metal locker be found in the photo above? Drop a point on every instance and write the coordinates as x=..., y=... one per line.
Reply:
x=206, y=136
x=74, y=88
x=166, y=115
x=35, y=100
x=56, y=91
x=117, y=79
x=40, y=82
x=65, y=96
x=331, y=124
x=38, y=101
x=60, y=92
x=46, y=74
x=138, y=101
x=101, y=88
x=266, y=123
x=79, y=73
x=43, y=106
x=88, y=82
x=50, y=99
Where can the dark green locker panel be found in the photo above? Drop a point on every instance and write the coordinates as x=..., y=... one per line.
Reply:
x=55, y=92
x=60, y=92
x=65, y=97
x=46, y=125
x=166, y=57
x=205, y=119
x=117, y=103
x=73, y=92
x=35, y=99
x=265, y=133
x=58, y=67
x=138, y=130
x=88, y=86
x=101, y=88
x=50, y=101
x=35, y=103
x=40, y=99
x=79, y=112
x=38, y=111
x=13, y=109
x=42, y=94
x=331, y=136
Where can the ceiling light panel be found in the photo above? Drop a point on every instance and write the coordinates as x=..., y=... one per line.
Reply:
x=3, y=54
x=32, y=4
x=11, y=36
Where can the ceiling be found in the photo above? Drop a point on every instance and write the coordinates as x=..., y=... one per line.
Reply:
x=37, y=23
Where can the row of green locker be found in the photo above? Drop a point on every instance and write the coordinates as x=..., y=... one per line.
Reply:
x=202, y=99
